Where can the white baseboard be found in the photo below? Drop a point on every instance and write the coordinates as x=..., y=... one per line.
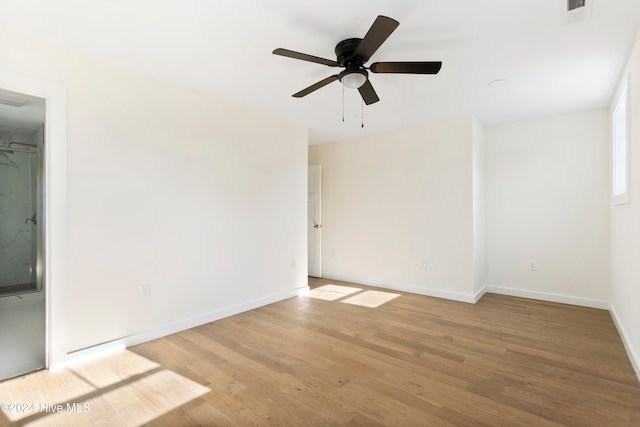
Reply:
x=473, y=298
x=430, y=292
x=367, y=281
x=634, y=357
x=479, y=294
x=79, y=356
x=437, y=293
x=545, y=296
x=82, y=355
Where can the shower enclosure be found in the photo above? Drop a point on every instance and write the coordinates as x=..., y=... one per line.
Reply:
x=22, y=282
x=20, y=212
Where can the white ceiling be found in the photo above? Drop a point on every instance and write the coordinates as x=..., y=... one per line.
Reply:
x=223, y=48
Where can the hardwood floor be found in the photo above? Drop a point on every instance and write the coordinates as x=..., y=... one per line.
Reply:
x=336, y=357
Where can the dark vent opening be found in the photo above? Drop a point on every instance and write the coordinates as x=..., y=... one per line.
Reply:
x=575, y=4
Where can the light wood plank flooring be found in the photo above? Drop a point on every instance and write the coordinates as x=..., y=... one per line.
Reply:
x=356, y=356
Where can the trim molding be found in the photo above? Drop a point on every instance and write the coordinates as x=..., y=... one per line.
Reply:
x=55, y=207
x=546, y=296
x=430, y=292
x=110, y=347
x=475, y=297
x=479, y=294
x=634, y=357
x=78, y=356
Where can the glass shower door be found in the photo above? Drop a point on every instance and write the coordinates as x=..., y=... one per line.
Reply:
x=19, y=217
x=22, y=285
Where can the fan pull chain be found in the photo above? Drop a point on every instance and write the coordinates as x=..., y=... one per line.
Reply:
x=362, y=113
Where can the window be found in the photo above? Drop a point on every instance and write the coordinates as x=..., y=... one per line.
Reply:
x=620, y=150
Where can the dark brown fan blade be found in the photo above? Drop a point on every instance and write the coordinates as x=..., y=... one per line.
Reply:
x=369, y=95
x=406, y=67
x=316, y=86
x=304, y=57
x=380, y=30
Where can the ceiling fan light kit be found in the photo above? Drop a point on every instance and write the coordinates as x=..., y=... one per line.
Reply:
x=353, y=79
x=353, y=53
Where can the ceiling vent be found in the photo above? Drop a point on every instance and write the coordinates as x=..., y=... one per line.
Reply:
x=573, y=11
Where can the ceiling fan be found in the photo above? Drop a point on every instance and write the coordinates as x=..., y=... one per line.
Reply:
x=353, y=53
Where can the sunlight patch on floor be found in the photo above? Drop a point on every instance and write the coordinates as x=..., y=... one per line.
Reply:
x=351, y=295
x=36, y=393
x=124, y=388
x=371, y=299
x=332, y=292
x=153, y=396
x=113, y=369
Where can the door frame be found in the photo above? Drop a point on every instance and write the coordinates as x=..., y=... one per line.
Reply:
x=54, y=191
x=317, y=219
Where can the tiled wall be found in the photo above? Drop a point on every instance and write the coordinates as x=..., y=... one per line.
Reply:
x=17, y=173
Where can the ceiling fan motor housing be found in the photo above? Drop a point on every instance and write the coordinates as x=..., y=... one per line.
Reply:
x=345, y=53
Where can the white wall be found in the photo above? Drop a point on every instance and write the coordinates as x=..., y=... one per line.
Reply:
x=479, y=235
x=547, y=192
x=203, y=200
x=393, y=201
x=625, y=225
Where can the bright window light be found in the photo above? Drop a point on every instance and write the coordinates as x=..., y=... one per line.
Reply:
x=620, y=150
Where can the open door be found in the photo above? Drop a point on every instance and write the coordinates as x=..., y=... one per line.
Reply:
x=314, y=222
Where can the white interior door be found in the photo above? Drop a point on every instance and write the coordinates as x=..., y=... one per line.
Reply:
x=314, y=222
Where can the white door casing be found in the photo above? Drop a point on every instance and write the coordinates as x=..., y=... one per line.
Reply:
x=55, y=206
x=314, y=221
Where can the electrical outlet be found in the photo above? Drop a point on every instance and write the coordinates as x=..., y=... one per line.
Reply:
x=533, y=265
x=294, y=262
x=333, y=253
x=145, y=292
x=424, y=264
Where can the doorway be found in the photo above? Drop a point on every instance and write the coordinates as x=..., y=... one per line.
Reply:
x=22, y=292
x=314, y=221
